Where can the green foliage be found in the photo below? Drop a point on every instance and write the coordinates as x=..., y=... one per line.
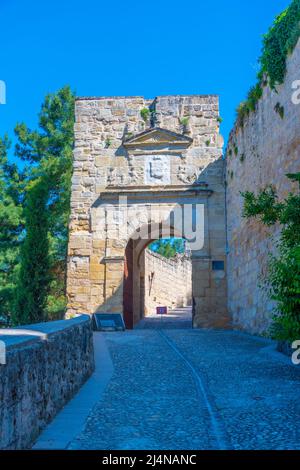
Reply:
x=168, y=247
x=51, y=148
x=184, y=121
x=145, y=114
x=34, y=276
x=56, y=305
x=207, y=143
x=254, y=96
x=242, y=112
x=264, y=205
x=47, y=152
x=107, y=143
x=278, y=43
x=279, y=109
x=294, y=35
x=219, y=119
x=283, y=280
x=11, y=223
x=246, y=107
x=295, y=177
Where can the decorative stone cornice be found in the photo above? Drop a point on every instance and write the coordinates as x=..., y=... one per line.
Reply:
x=157, y=137
x=151, y=194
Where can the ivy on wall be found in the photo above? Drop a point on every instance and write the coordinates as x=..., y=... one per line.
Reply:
x=282, y=282
x=278, y=43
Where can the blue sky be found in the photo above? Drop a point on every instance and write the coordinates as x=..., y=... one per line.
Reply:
x=130, y=48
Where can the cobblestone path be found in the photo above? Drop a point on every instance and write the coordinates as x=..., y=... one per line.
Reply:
x=176, y=388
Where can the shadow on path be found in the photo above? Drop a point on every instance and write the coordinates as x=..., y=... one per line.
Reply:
x=179, y=318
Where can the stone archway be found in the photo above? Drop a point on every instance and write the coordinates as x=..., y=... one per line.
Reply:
x=124, y=167
x=167, y=275
x=134, y=271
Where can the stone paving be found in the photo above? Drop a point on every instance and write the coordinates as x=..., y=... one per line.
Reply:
x=180, y=318
x=179, y=388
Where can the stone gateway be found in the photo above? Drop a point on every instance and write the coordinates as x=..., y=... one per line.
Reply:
x=134, y=157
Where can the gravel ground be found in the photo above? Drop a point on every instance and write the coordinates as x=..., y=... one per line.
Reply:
x=178, y=388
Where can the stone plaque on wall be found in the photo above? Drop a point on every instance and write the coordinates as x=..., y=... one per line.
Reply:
x=157, y=169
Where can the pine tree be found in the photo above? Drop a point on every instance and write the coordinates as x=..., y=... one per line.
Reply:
x=49, y=150
x=11, y=226
x=33, y=283
x=47, y=153
x=168, y=247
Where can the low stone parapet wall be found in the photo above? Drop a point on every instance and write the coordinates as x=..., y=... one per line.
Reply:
x=45, y=366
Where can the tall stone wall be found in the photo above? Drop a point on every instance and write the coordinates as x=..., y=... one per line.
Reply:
x=168, y=282
x=260, y=153
x=40, y=376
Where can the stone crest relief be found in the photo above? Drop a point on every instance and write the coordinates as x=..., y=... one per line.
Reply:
x=116, y=177
x=157, y=169
x=188, y=174
x=123, y=176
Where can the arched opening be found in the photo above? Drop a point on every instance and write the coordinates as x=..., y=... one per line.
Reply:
x=157, y=273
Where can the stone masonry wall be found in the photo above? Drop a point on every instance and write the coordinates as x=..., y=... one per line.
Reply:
x=40, y=376
x=168, y=282
x=106, y=166
x=258, y=154
x=153, y=171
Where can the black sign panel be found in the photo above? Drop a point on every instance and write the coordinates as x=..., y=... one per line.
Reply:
x=108, y=322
